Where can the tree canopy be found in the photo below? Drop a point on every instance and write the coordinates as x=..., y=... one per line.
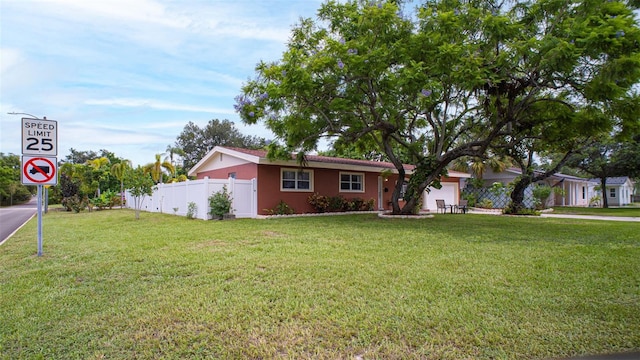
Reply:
x=11, y=189
x=608, y=158
x=450, y=80
x=195, y=142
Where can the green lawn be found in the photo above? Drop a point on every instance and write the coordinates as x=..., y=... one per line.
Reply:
x=331, y=287
x=627, y=211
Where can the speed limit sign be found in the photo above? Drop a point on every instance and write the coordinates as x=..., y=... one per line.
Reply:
x=39, y=137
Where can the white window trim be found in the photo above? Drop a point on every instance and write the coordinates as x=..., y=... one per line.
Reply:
x=612, y=192
x=350, y=173
x=310, y=189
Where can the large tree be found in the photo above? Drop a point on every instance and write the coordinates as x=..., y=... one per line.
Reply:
x=79, y=157
x=195, y=142
x=557, y=129
x=445, y=83
x=609, y=158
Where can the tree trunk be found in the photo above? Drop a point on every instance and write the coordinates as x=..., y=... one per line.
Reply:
x=409, y=207
x=395, y=197
x=517, y=195
x=603, y=185
x=122, y=194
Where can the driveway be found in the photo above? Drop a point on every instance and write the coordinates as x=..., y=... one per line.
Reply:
x=13, y=217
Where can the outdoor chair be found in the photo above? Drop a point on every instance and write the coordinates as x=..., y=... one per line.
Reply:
x=462, y=206
x=440, y=205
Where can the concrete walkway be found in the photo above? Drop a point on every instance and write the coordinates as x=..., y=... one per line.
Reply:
x=561, y=216
x=591, y=217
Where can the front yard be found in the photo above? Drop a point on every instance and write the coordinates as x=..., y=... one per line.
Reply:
x=351, y=286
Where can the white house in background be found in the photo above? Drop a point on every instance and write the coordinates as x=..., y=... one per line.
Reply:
x=576, y=191
x=619, y=190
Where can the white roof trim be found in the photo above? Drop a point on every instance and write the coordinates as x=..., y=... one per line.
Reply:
x=221, y=150
x=311, y=164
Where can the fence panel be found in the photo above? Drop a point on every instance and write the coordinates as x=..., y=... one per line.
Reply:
x=498, y=199
x=175, y=198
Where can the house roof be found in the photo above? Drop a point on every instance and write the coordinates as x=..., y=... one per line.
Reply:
x=557, y=176
x=260, y=157
x=618, y=180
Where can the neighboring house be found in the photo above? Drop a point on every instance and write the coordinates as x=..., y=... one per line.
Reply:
x=288, y=181
x=619, y=190
x=576, y=191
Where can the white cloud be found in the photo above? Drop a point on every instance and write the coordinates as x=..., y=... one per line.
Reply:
x=128, y=75
x=154, y=104
x=134, y=11
x=8, y=59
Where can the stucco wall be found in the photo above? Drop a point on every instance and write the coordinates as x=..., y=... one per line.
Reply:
x=325, y=182
x=246, y=171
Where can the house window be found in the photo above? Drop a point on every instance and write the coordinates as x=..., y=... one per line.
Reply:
x=296, y=180
x=612, y=192
x=351, y=182
x=584, y=193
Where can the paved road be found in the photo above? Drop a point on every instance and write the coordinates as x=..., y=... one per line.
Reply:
x=13, y=217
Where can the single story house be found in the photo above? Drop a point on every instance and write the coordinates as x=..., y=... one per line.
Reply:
x=619, y=190
x=292, y=183
x=576, y=191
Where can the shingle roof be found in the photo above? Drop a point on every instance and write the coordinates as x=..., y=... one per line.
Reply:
x=618, y=180
x=261, y=156
x=326, y=159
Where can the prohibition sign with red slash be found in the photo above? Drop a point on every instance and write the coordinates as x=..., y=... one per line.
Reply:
x=39, y=170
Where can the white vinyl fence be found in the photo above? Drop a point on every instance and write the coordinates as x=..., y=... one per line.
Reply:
x=174, y=198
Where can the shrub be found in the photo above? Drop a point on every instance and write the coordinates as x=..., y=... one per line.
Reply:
x=108, y=199
x=75, y=203
x=355, y=204
x=541, y=194
x=471, y=198
x=485, y=203
x=192, y=210
x=337, y=203
x=220, y=203
x=370, y=205
x=509, y=210
x=281, y=209
x=319, y=202
x=497, y=188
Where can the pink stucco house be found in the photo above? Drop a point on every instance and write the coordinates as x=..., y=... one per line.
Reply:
x=288, y=181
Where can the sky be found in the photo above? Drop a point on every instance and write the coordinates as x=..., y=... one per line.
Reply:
x=127, y=75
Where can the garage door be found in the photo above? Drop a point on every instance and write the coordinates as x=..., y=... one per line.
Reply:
x=448, y=192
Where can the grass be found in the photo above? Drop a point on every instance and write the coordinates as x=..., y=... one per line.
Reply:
x=334, y=287
x=627, y=211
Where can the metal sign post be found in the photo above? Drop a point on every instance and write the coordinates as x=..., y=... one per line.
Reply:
x=39, y=220
x=39, y=161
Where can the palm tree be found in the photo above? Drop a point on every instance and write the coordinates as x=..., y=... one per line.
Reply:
x=173, y=151
x=156, y=168
x=119, y=170
x=99, y=164
x=478, y=165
